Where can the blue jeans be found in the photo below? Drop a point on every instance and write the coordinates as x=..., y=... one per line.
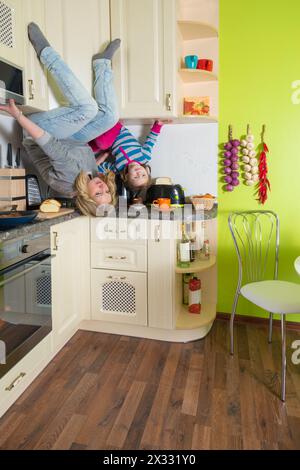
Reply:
x=84, y=118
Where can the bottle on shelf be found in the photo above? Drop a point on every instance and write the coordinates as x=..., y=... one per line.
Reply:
x=192, y=237
x=195, y=295
x=185, y=288
x=205, y=251
x=184, y=250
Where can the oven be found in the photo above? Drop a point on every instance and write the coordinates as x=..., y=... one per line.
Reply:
x=25, y=296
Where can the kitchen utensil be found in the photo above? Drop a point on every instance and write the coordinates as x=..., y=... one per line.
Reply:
x=53, y=215
x=162, y=203
x=18, y=158
x=209, y=65
x=9, y=158
x=11, y=219
x=191, y=61
x=174, y=192
x=205, y=64
x=201, y=64
x=33, y=192
x=163, y=180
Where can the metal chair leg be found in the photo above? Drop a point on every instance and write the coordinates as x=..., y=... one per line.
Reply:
x=283, y=357
x=270, y=327
x=236, y=298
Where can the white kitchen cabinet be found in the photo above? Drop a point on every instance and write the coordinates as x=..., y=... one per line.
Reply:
x=17, y=379
x=119, y=296
x=124, y=256
x=70, y=278
x=77, y=30
x=145, y=67
x=11, y=31
x=36, y=86
x=161, y=264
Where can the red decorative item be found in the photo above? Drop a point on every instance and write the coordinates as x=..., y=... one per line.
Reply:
x=264, y=183
x=195, y=295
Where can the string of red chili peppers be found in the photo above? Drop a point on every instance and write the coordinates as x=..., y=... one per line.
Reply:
x=264, y=183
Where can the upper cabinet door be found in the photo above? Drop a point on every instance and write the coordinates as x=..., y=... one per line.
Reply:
x=36, y=86
x=145, y=68
x=11, y=31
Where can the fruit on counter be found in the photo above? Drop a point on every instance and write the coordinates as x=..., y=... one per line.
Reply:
x=50, y=205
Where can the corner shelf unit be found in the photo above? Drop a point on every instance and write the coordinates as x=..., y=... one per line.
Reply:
x=191, y=34
x=197, y=266
x=197, y=75
x=191, y=30
x=192, y=321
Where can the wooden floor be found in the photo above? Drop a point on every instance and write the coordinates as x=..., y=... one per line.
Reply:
x=109, y=392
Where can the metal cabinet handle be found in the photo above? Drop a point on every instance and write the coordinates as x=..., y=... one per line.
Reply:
x=15, y=382
x=31, y=89
x=55, y=241
x=116, y=278
x=157, y=233
x=169, y=102
x=118, y=258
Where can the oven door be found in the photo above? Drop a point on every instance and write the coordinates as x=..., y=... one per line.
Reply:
x=25, y=308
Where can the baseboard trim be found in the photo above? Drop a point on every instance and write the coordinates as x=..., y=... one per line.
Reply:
x=257, y=320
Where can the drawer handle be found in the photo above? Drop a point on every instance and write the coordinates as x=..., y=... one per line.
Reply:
x=118, y=258
x=31, y=89
x=116, y=278
x=157, y=234
x=15, y=382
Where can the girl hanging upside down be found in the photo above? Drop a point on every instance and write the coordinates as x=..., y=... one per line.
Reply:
x=57, y=142
x=131, y=158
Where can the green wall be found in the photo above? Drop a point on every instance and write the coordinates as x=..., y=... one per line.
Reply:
x=259, y=61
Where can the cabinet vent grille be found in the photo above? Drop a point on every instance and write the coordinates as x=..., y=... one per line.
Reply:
x=43, y=290
x=6, y=25
x=119, y=297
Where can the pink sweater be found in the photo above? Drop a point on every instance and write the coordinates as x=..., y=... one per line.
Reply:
x=105, y=141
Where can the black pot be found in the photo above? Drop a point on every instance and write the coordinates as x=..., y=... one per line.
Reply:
x=170, y=191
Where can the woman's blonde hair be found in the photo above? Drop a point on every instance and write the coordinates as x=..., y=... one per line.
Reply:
x=84, y=202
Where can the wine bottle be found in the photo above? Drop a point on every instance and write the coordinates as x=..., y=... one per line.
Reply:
x=184, y=250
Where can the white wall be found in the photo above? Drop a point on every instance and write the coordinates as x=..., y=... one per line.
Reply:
x=187, y=153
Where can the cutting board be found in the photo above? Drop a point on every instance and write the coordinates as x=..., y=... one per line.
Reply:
x=53, y=215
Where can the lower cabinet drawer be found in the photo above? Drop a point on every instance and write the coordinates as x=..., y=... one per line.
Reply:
x=127, y=256
x=119, y=296
x=17, y=379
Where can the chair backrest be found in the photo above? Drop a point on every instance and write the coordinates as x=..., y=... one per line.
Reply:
x=256, y=239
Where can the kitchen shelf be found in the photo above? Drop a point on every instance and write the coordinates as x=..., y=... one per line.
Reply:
x=191, y=321
x=191, y=30
x=182, y=119
x=189, y=119
x=197, y=266
x=197, y=75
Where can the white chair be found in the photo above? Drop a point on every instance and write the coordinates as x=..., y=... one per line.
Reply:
x=256, y=239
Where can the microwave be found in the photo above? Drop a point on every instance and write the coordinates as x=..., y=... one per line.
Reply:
x=11, y=83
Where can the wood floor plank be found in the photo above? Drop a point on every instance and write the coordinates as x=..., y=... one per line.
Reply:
x=120, y=429
x=67, y=436
x=153, y=429
x=190, y=399
x=58, y=424
x=201, y=437
x=111, y=392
